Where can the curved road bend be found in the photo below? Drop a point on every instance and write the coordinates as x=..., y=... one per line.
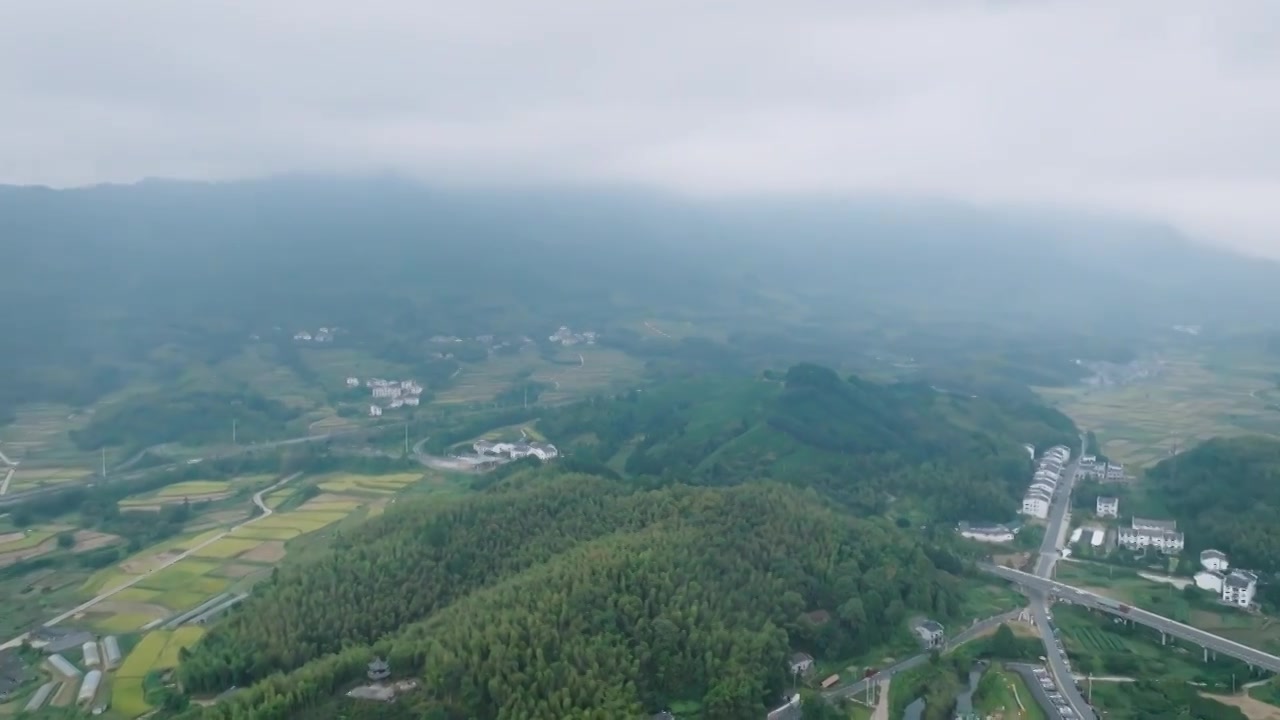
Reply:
x=257, y=500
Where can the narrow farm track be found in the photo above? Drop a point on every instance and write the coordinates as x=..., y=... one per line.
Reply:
x=257, y=500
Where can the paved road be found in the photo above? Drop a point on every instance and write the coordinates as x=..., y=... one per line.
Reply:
x=257, y=500
x=884, y=675
x=18, y=497
x=1050, y=551
x=4, y=486
x=6, y=460
x=1230, y=648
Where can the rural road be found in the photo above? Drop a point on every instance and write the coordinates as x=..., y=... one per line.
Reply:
x=4, y=486
x=257, y=500
x=6, y=459
x=973, y=631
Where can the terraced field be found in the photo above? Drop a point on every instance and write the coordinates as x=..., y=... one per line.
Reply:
x=157, y=650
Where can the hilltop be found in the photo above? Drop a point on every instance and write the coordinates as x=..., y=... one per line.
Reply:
x=866, y=445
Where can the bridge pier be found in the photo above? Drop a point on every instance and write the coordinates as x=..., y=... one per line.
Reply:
x=1206, y=654
x=1163, y=638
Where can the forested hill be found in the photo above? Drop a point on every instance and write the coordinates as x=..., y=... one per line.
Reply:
x=869, y=446
x=1225, y=494
x=572, y=597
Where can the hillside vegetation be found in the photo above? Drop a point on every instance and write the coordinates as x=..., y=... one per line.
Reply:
x=572, y=596
x=1225, y=493
x=860, y=443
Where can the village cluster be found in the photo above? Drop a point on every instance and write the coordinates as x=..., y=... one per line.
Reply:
x=321, y=335
x=1233, y=586
x=396, y=393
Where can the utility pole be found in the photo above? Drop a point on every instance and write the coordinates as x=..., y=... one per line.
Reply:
x=406, y=439
x=104, y=461
x=233, y=431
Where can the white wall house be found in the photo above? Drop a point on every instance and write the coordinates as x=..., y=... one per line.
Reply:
x=353, y=382
x=1076, y=535
x=1036, y=505
x=1098, y=537
x=1115, y=471
x=1108, y=506
x=1159, y=534
x=515, y=451
x=1214, y=560
x=1239, y=587
x=1209, y=580
x=375, y=411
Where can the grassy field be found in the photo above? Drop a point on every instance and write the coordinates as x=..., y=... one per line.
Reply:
x=588, y=369
x=27, y=540
x=157, y=650
x=376, y=484
x=226, y=548
x=1006, y=695
x=1193, y=398
x=30, y=478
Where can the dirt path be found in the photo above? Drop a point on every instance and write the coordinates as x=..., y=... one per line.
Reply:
x=1253, y=709
x=257, y=500
x=4, y=486
x=882, y=702
x=654, y=328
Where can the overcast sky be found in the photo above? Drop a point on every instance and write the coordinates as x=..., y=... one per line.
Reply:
x=1163, y=107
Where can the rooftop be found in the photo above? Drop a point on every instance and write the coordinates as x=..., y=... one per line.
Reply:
x=1149, y=524
x=1241, y=578
x=931, y=626
x=1213, y=555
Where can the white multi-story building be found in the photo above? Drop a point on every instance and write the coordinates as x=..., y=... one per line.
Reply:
x=1036, y=504
x=387, y=391
x=1159, y=534
x=1239, y=587
x=515, y=451
x=375, y=411
x=353, y=382
x=1214, y=560
x=1115, y=471
x=1108, y=506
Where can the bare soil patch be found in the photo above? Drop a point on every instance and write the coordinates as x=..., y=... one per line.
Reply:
x=237, y=570
x=271, y=551
x=87, y=540
x=16, y=556
x=1252, y=708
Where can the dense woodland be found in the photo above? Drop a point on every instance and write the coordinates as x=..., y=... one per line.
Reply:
x=1225, y=493
x=863, y=444
x=571, y=596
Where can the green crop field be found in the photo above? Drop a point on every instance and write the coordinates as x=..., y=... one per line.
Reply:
x=1097, y=640
x=226, y=548
x=119, y=623
x=29, y=540
x=265, y=533
x=144, y=655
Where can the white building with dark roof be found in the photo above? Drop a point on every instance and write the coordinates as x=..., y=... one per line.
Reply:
x=1239, y=587
x=1159, y=534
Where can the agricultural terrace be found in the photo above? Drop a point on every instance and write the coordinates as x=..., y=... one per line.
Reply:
x=192, y=491
x=158, y=650
x=368, y=484
x=180, y=573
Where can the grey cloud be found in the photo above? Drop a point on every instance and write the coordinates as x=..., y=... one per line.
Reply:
x=1165, y=108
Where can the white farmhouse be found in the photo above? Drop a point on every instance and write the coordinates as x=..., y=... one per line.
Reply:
x=1239, y=587
x=353, y=382
x=1108, y=507
x=1115, y=472
x=375, y=411
x=515, y=451
x=1214, y=560
x=1036, y=504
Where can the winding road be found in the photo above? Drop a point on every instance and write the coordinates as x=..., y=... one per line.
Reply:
x=257, y=500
